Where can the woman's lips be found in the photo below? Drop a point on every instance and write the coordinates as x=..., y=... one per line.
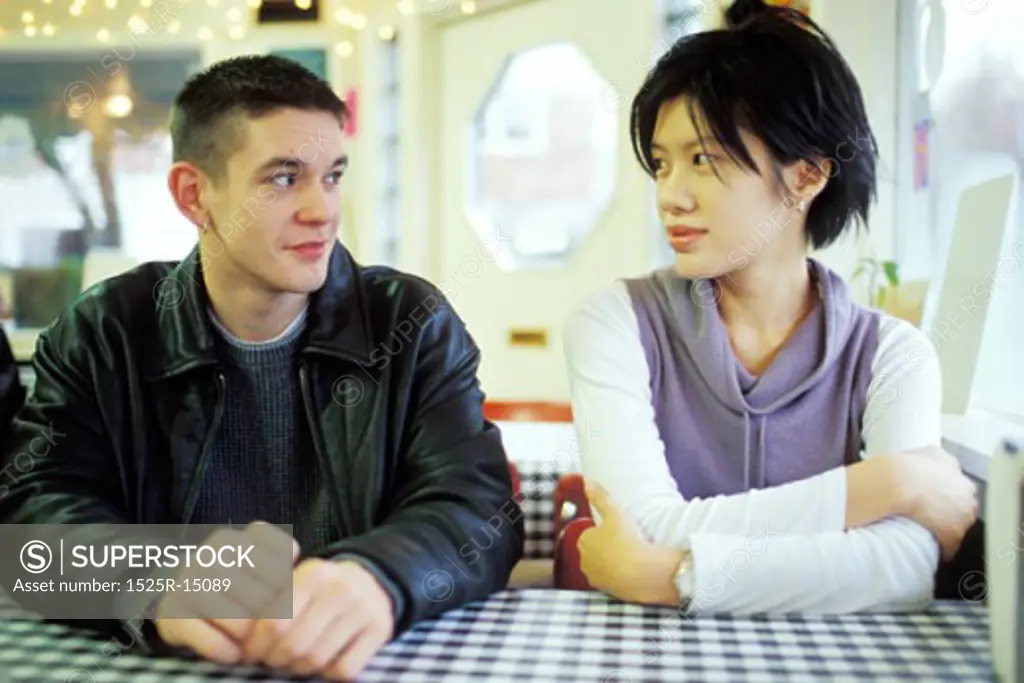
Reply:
x=683, y=238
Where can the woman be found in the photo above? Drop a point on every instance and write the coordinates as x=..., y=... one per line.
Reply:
x=761, y=442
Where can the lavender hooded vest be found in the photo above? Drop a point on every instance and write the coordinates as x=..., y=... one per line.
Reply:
x=727, y=431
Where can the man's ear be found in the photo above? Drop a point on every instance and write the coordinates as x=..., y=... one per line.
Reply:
x=188, y=185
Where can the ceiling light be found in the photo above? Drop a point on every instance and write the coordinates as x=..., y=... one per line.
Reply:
x=118, y=106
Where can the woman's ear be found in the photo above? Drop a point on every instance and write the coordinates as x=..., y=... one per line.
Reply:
x=811, y=178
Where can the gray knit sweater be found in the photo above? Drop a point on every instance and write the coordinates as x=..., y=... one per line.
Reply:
x=263, y=466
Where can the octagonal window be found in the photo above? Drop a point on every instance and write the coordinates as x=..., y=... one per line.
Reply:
x=542, y=150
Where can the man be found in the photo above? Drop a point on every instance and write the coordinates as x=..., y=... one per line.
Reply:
x=270, y=378
x=12, y=394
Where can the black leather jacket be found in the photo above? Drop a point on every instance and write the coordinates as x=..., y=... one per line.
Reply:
x=12, y=394
x=128, y=398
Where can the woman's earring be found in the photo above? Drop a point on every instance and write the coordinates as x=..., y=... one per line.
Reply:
x=803, y=205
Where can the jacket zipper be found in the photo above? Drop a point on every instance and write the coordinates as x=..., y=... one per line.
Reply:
x=325, y=465
x=205, y=453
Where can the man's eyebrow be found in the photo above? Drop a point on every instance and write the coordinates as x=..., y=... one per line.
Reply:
x=295, y=164
x=279, y=163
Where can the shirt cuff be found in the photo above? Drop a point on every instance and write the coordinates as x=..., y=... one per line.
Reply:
x=722, y=570
x=385, y=581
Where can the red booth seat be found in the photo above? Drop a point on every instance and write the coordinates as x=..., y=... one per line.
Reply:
x=572, y=518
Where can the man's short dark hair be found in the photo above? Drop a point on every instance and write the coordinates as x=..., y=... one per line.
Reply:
x=207, y=114
x=775, y=73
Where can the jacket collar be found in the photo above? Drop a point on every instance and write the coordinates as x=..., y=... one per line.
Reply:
x=337, y=322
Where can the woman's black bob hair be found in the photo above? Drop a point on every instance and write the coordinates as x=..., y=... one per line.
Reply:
x=773, y=72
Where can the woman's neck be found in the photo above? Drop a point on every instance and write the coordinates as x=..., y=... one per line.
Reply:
x=763, y=307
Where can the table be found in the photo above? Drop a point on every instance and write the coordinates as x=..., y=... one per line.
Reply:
x=547, y=635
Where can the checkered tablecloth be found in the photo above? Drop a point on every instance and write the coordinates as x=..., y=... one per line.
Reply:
x=573, y=636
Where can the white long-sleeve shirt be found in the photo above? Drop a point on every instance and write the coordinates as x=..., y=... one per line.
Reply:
x=779, y=549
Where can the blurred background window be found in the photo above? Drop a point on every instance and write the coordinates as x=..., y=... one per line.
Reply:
x=84, y=155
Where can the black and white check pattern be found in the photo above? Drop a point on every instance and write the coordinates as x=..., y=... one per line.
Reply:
x=539, y=480
x=569, y=636
x=542, y=452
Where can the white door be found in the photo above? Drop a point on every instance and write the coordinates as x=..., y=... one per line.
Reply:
x=541, y=199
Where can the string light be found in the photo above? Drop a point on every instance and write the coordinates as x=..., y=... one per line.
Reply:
x=468, y=7
x=234, y=14
x=346, y=17
x=204, y=33
x=49, y=29
x=405, y=7
x=386, y=32
x=344, y=49
x=103, y=35
x=27, y=17
x=236, y=32
x=30, y=31
x=137, y=24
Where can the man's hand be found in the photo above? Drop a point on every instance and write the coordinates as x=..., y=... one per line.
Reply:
x=617, y=560
x=945, y=500
x=342, y=617
x=214, y=624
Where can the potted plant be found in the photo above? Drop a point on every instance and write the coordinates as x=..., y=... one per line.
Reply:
x=883, y=276
x=889, y=293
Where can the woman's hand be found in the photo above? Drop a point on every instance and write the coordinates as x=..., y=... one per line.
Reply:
x=943, y=499
x=617, y=560
x=925, y=485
